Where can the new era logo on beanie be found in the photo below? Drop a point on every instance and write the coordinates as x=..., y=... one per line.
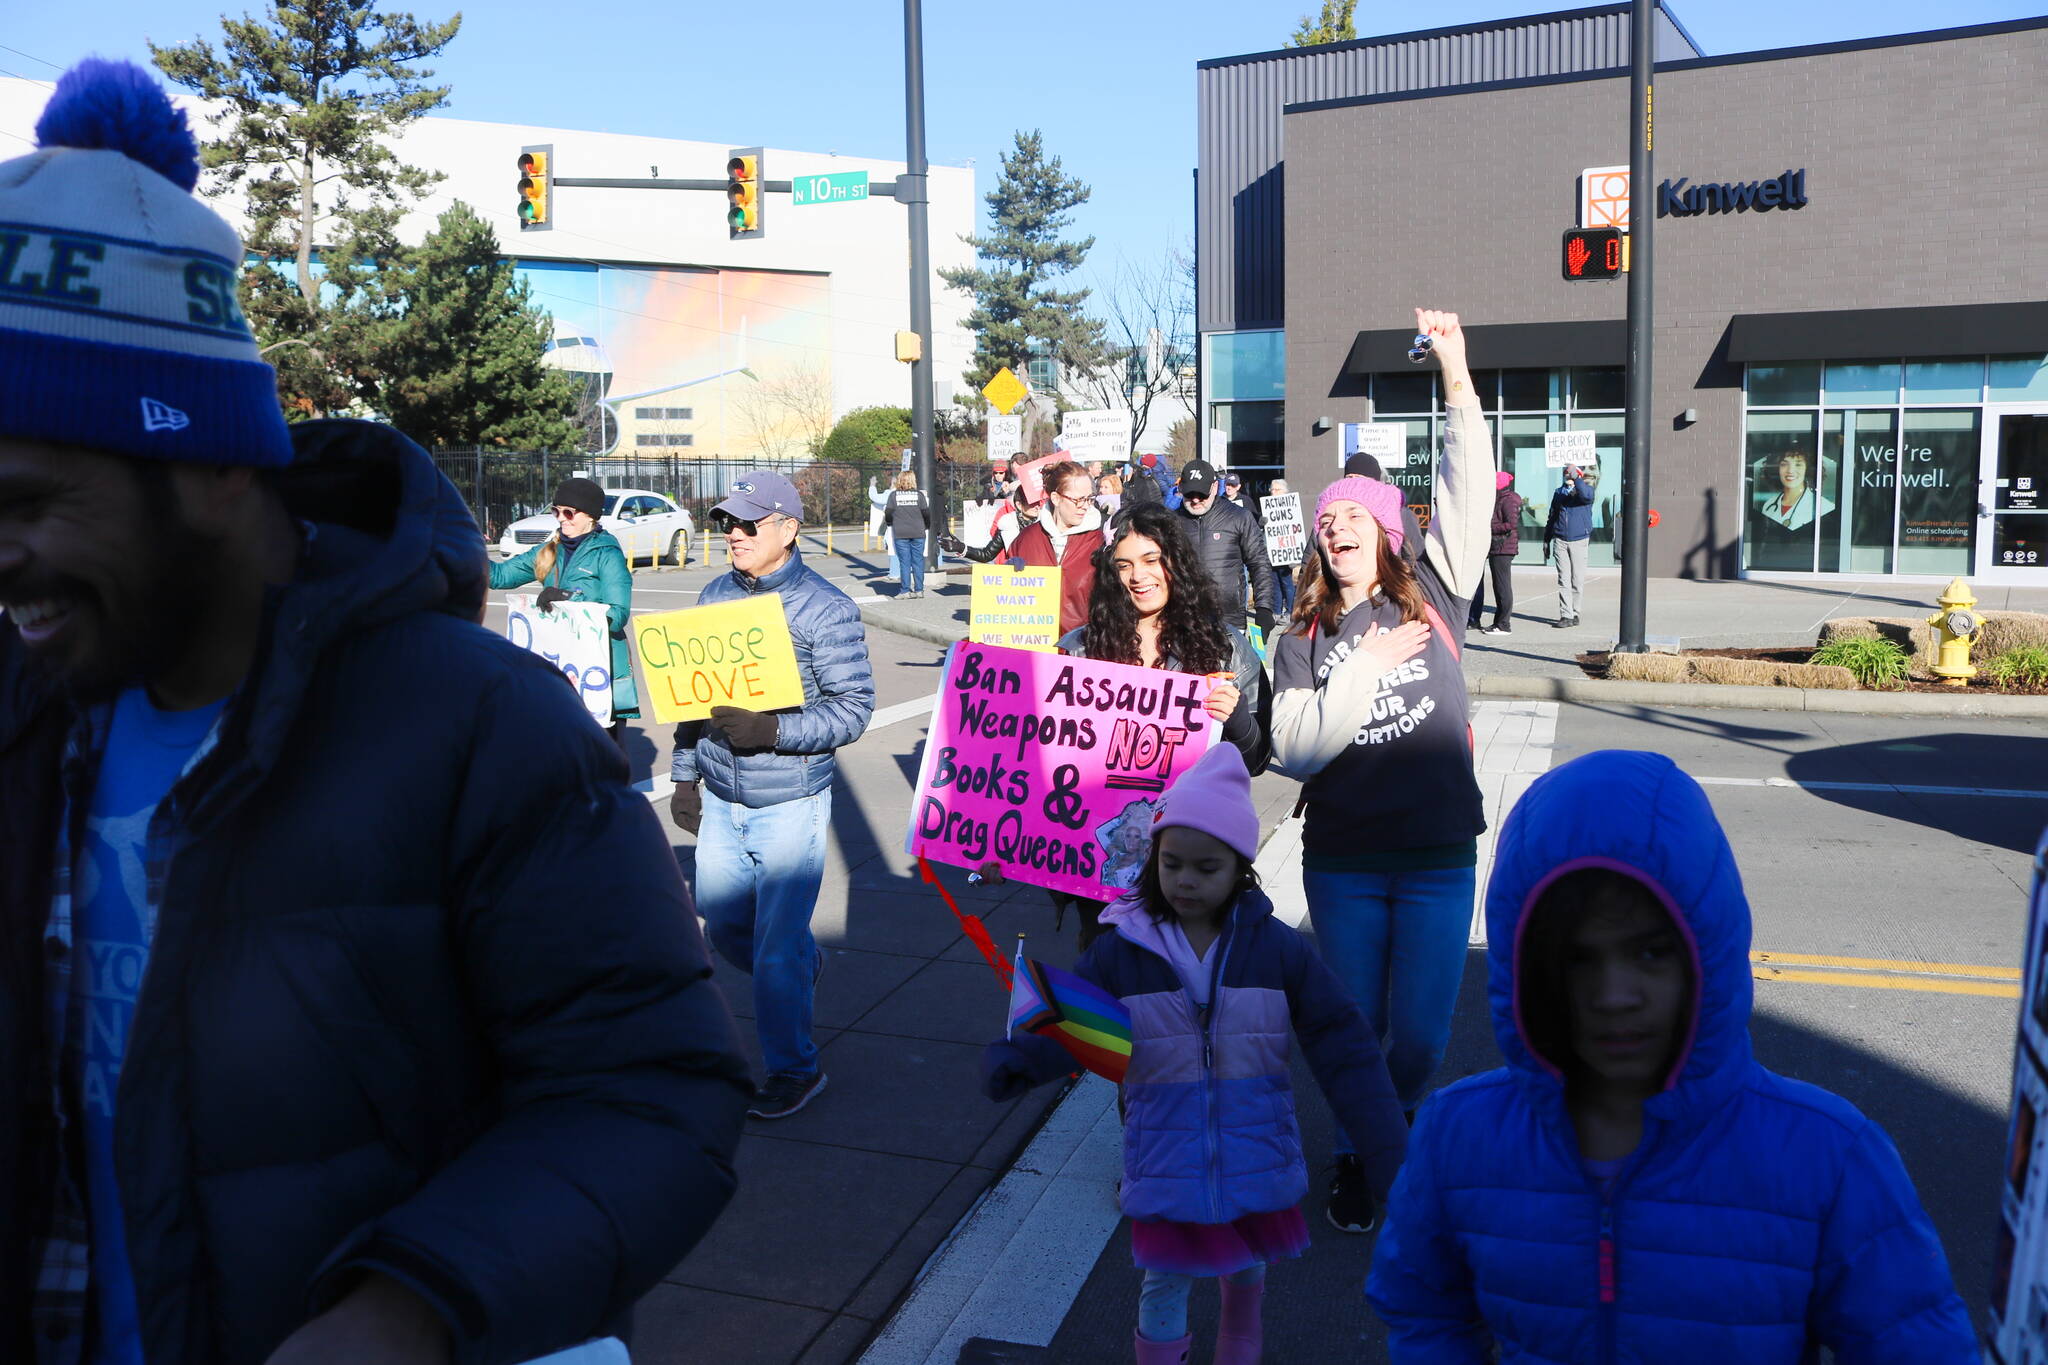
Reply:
x=118, y=288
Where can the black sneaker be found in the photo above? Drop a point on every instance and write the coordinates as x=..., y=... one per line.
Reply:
x=784, y=1095
x=1565, y=622
x=1350, y=1207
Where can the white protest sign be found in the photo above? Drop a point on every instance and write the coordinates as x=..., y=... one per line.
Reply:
x=1097, y=434
x=1386, y=442
x=573, y=636
x=1286, y=538
x=1005, y=435
x=1561, y=448
x=978, y=522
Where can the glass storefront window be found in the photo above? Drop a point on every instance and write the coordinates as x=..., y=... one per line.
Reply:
x=1531, y=390
x=2018, y=378
x=1944, y=381
x=1253, y=435
x=1777, y=386
x=1413, y=391
x=1605, y=475
x=1599, y=386
x=1870, y=488
x=1245, y=365
x=1862, y=382
x=1785, y=490
x=1521, y=454
x=1938, y=457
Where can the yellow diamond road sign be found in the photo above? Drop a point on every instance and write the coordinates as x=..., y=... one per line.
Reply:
x=1006, y=390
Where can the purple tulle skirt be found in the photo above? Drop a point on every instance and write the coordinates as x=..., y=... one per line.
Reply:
x=1219, y=1248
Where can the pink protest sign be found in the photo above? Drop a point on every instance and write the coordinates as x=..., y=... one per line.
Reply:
x=1053, y=767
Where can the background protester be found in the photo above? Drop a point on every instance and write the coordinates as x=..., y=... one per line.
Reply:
x=909, y=518
x=1153, y=607
x=409, y=1050
x=1283, y=579
x=1370, y=711
x=764, y=807
x=1228, y=544
x=1198, y=957
x=1733, y=1214
x=583, y=562
x=1500, y=558
x=1066, y=536
x=1568, y=533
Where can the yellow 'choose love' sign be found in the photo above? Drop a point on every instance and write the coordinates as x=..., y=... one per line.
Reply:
x=734, y=653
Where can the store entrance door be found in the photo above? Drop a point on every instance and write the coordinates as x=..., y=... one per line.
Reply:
x=2012, y=507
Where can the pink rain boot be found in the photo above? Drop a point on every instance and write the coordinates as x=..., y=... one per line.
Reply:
x=1240, y=1335
x=1163, y=1352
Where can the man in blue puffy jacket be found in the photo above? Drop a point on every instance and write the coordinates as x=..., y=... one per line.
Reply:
x=351, y=1003
x=765, y=803
x=1567, y=535
x=1633, y=1185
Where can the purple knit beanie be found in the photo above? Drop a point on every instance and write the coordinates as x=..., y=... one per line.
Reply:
x=1383, y=500
x=1215, y=797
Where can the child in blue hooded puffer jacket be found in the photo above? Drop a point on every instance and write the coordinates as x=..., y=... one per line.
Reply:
x=1213, y=1169
x=1633, y=1186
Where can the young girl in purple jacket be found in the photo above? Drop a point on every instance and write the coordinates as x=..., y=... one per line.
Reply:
x=1213, y=1168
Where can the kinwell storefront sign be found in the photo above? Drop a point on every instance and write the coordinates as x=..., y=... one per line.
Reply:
x=1681, y=199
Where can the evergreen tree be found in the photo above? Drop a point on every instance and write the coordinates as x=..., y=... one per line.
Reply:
x=1334, y=25
x=313, y=93
x=458, y=347
x=1015, y=304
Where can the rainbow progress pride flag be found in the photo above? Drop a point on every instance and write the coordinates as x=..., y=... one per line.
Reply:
x=1083, y=1018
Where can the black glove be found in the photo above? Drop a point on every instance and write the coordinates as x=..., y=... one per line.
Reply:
x=1264, y=616
x=551, y=595
x=744, y=731
x=686, y=806
x=952, y=545
x=1003, y=1076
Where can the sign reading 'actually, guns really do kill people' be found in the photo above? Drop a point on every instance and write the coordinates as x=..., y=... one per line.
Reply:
x=734, y=653
x=1053, y=767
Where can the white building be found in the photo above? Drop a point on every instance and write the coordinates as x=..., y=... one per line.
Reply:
x=730, y=346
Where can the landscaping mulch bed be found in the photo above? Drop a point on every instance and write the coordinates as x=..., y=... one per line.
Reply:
x=1595, y=665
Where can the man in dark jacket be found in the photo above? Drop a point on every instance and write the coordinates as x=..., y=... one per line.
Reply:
x=1566, y=535
x=1228, y=541
x=765, y=804
x=351, y=1006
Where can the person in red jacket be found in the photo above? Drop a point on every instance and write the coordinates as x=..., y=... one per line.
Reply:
x=1066, y=536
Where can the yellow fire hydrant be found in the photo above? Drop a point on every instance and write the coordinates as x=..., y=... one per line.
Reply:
x=1956, y=629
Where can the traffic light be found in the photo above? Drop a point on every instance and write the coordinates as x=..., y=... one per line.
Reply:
x=1593, y=253
x=744, y=177
x=536, y=188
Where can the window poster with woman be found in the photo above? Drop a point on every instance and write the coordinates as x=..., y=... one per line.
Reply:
x=1790, y=491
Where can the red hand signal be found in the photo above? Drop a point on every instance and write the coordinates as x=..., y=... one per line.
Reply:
x=1576, y=254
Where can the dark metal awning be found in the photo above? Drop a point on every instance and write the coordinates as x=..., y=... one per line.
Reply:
x=1504, y=345
x=1886, y=333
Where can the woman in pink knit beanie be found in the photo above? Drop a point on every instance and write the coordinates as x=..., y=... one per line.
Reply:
x=1370, y=712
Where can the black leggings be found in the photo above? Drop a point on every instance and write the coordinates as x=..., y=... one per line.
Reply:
x=1501, y=567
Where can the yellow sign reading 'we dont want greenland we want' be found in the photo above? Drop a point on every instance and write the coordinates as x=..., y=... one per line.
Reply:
x=1018, y=608
x=726, y=654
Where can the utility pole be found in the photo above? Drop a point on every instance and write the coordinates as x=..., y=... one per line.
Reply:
x=1642, y=220
x=912, y=191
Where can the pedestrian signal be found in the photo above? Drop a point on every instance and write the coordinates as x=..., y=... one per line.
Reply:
x=743, y=194
x=1593, y=253
x=536, y=188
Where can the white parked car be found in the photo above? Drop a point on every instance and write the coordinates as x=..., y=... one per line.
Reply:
x=648, y=525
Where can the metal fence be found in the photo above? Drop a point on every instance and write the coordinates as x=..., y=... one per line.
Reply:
x=503, y=486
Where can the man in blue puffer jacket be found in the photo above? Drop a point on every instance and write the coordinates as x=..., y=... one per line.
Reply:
x=765, y=806
x=1633, y=1186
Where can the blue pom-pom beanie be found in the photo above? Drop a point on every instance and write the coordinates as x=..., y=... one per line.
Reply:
x=120, y=329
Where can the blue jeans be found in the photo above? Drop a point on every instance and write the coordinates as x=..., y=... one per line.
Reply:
x=758, y=873
x=1397, y=941
x=910, y=562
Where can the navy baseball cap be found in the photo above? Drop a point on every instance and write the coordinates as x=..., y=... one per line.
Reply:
x=762, y=493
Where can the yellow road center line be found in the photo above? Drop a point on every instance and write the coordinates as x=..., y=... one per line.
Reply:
x=1885, y=964
x=1882, y=981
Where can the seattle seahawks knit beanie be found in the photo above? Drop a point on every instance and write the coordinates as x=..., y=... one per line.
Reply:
x=119, y=326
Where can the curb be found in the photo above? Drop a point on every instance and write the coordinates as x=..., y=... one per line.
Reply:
x=1858, y=703
x=916, y=630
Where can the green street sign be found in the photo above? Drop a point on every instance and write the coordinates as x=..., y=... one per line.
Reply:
x=838, y=188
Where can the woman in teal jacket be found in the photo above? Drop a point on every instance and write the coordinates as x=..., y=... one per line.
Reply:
x=583, y=562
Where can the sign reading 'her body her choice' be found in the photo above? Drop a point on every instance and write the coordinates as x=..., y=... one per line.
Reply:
x=734, y=653
x=1052, y=766
x=1018, y=608
x=573, y=636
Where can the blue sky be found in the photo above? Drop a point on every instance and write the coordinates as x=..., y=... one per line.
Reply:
x=1111, y=82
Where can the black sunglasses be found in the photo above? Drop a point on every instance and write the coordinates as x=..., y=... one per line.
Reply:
x=724, y=521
